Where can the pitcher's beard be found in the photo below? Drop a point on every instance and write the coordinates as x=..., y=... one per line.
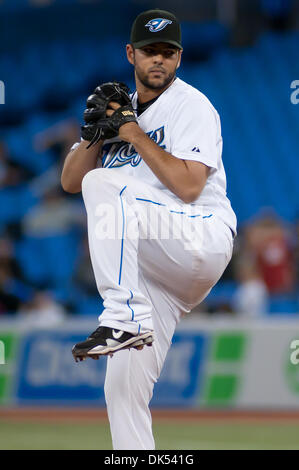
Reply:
x=150, y=83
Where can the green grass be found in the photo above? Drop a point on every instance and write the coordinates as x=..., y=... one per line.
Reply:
x=174, y=435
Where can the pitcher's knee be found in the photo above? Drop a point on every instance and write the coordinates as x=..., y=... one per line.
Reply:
x=94, y=176
x=101, y=177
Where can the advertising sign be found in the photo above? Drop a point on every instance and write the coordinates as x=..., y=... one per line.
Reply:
x=223, y=365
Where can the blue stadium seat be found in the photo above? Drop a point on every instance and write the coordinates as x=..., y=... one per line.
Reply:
x=89, y=305
x=283, y=304
x=49, y=259
x=15, y=202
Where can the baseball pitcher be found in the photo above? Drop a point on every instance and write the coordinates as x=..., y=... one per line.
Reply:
x=160, y=225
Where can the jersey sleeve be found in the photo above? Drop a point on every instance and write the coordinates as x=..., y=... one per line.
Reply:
x=194, y=133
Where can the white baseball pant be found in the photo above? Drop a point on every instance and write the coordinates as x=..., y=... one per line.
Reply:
x=154, y=259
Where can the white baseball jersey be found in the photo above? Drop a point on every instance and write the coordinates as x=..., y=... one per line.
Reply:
x=183, y=122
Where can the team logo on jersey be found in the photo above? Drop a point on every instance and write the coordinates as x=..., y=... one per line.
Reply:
x=157, y=24
x=119, y=154
x=122, y=153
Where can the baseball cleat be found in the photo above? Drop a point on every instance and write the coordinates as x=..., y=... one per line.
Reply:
x=105, y=341
x=146, y=341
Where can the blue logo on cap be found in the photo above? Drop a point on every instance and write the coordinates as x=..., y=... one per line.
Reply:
x=157, y=24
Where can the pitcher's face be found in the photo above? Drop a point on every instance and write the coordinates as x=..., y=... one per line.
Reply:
x=155, y=64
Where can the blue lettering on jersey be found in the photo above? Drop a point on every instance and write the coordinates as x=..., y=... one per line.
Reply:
x=122, y=153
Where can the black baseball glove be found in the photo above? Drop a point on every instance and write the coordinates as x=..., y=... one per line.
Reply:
x=97, y=125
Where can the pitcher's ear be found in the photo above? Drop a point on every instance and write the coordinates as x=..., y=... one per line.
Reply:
x=130, y=53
